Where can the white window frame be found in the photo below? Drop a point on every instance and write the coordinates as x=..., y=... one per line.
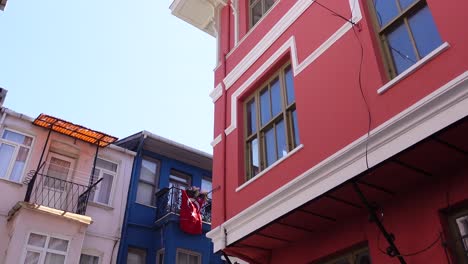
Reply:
x=92, y=253
x=143, y=250
x=43, y=251
x=188, y=252
x=154, y=184
x=15, y=153
x=114, y=179
x=159, y=253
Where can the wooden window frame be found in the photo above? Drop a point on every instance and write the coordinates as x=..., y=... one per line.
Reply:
x=188, y=252
x=138, y=250
x=382, y=31
x=180, y=174
x=159, y=253
x=155, y=183
x=456, y=245
x=251, y=4
x=285, y=114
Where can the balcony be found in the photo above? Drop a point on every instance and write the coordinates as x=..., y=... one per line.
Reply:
x=168, y=202
x=57, y=193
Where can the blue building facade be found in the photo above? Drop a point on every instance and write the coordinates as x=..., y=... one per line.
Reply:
x=150, y=232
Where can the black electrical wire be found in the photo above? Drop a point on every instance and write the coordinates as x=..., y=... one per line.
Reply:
x=336, y=14
x=369, y=116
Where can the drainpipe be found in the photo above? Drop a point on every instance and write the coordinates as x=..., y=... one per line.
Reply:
x=130, y=187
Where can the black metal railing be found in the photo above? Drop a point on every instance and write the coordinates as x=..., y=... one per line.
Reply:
x=57, y=193
x=168, y=200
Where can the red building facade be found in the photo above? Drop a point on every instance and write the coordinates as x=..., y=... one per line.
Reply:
x=340, y=129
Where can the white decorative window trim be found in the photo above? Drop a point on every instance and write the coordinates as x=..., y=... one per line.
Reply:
x=430, y=114
x=269, y=168
x=414, y=67
x=216, y=140
x=290, y=45
x=217, y=92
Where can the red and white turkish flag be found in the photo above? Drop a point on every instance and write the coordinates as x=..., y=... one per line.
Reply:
x=190, y=217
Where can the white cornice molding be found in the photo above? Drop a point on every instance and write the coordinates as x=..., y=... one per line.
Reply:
x=217, y=92
x=432, y=113
x=199, y=13
x=290, y=44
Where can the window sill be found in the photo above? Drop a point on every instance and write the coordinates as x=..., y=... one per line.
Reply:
x=100, y=205
x=292, y=152
x=18, y=184
x=413, y=68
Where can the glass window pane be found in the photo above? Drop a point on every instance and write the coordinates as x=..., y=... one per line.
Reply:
x=385, y=10
x=288, y=76
x=105, y=187
x=58, y=244
x=295, y=128
x=276, y=105
x=206, y=186
x=363, y=258
x=251, y=117
x=462, y=223
x=16, y=137
x=281, y=139
x=255, y=164
x=136, y=256
x=107, y=165
x=88, y=259
x=270, y=147
x=148, y=170
x=424, y=31
x=268, y=4
x=265, y=106
x=32, y=257
x=145, y=193
x=6, y=154
x=401, y=48
x=405, y=3
x=256, y=12
x=52, y=258
x=193, y=259
x=37, y=240
x=160, y=258
x=18, y=166
x=58, y=168
x=179, y=180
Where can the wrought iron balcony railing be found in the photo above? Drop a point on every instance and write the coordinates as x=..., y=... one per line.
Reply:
x=168, y=201
x=57, y=193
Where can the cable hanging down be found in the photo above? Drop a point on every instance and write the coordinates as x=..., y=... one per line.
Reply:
x=369, y=116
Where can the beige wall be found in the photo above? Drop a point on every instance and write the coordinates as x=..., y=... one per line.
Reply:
x=105, y=230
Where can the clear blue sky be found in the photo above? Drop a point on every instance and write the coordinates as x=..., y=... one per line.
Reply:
x=111, y=65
